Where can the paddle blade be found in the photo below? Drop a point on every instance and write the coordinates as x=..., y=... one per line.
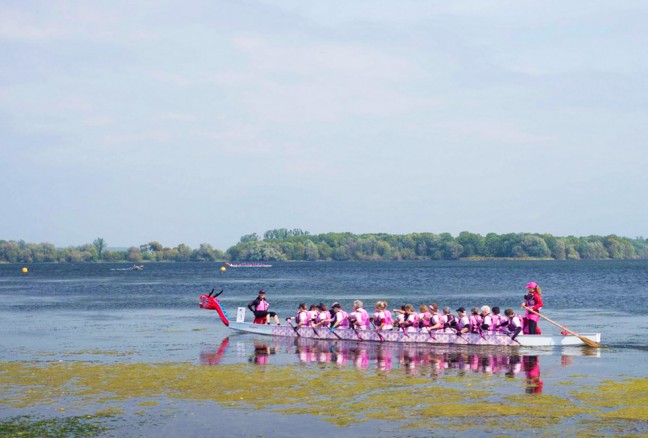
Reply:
x=589, y=342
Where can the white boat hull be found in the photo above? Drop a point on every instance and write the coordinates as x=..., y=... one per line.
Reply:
x=419, y=337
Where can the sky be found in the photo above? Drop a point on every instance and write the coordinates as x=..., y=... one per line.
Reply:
x=202, y=121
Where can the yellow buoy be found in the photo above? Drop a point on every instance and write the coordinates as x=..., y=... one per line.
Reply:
x=25, y=270
x=223, y=269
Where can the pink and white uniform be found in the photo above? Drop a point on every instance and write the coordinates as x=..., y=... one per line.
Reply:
x=463, y=322
x=497, y=321
x=302, y=317
x=342, y=317
x=323, y=316
x=383, y=317
x=361, y=317
x=312, y=316
x=412, y=322
x=425, y=319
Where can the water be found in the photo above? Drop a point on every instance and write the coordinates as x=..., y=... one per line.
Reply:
x=95, y=313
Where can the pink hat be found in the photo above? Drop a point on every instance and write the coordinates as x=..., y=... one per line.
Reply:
x=532, y=285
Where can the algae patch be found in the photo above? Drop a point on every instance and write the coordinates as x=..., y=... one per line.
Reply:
x=26, y=426
x=358, y=396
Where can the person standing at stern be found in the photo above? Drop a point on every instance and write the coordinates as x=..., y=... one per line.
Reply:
x=533, y=301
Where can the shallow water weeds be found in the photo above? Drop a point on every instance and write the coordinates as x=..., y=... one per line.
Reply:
x=338, y=396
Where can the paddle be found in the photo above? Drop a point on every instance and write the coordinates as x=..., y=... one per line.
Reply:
x=332, y=330
x=515, y=340
x=289, y=321
x=481, y=332
x=432, y=325
x=352, y=325
x=587, y=341
x=458, y=333
x=377, y=331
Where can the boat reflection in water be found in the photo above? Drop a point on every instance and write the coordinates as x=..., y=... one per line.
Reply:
x=422, y=360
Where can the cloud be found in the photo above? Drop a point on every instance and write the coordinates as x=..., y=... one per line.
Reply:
x=394, y=116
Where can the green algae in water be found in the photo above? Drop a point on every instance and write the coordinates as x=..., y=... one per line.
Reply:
x=27, y=426
x=459, y=405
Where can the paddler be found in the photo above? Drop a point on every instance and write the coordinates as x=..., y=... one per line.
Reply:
x=359, y=317
x=323, y=317
x=340, y=317
x=463, y=322
x=302, y=318
x=436, y=322
x=411, y=319
x=486, y=318
x=514, y=323
x=382, y=319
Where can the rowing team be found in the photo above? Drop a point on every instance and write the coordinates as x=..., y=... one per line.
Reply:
x=428, y=319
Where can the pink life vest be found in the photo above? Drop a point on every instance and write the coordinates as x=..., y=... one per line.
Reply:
x=383, y=317
x=378, y=319
x=488, y=319
x=365, y=318
x=436, y=319
x=312, y=316
x=362, y=317
x=388, y=318
x=302, y=317
x=512, y=324
x=425, y=319
x=343, y=317
x=496, y=321
x=262, y=306
x=412, y=322
x=323, y=316
x=532, y=316
x=474, y=322
x=462, y=322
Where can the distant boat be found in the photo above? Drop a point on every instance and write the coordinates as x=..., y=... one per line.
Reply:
x=132, y=268
x=248, y=265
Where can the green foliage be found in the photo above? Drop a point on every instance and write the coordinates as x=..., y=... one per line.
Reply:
x=284, y=244
x=51, y=427
x=99, y=245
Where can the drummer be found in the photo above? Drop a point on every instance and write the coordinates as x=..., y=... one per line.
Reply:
x=259, y=307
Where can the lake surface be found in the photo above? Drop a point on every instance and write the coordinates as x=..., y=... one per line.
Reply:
x=106, y=320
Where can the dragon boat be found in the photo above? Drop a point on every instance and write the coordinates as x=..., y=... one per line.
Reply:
x=401, y=336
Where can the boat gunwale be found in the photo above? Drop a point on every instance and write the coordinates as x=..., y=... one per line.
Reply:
x=419, y=337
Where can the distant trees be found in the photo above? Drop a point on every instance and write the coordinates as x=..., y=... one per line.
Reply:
x=296, y=244
x=283, y=244
x=99, y=245
x=22, y=252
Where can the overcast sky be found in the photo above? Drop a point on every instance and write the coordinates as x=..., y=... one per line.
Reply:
x=202, y=121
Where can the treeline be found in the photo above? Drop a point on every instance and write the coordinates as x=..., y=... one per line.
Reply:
x=296, y=244
x=21, y=252
x=284, y=244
